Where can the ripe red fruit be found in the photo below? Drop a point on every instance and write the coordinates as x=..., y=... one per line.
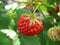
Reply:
x=29, y=26
x=56, y=9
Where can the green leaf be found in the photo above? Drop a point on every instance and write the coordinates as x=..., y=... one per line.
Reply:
x=44, y=39
x=27, y=40
x=42, y=8
x=59, y=23
x=12, y=35
x=57, y=1
x=50, y=1
x=16, y=41
x=1, y=5
x=43, y=35
x=19, y=12
x=50, y=42
x=4, y=40
x=4, y=21
x=12, y=24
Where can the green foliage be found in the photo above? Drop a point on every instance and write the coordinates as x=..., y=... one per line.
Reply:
x=1, y=5
x=11, y=14
x=4, y=40
x=9, y=18
x=19, y=12
x=4, y=21
x=43, y=35
x=27, y=40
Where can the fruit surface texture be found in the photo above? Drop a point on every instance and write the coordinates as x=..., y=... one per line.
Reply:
x=28, y=25
x=54, y=33
x=56, y=9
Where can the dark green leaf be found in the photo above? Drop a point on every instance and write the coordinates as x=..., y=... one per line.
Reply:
x=43, y=35
x=59, y=23
x=27, y=40
x=50, y=42
x=4, y=21
x=20, y=12
x=4, y=40
x=50, y=1
x=1, y=5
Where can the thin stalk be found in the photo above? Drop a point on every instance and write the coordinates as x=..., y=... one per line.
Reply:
x=41, y=12
x=34, y=12
x=45, y=16
x=35, y=9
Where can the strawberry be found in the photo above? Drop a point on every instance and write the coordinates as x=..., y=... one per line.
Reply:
x=28, y=25
x=56, y=9
x=54, y=33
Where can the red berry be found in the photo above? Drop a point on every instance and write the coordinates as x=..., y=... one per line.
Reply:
x=50, y=12
x=56, y=9
x=28, y=26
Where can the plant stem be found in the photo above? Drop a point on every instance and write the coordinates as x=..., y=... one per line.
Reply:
x=45, y=16
x=41, y=12
x=36, y=9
